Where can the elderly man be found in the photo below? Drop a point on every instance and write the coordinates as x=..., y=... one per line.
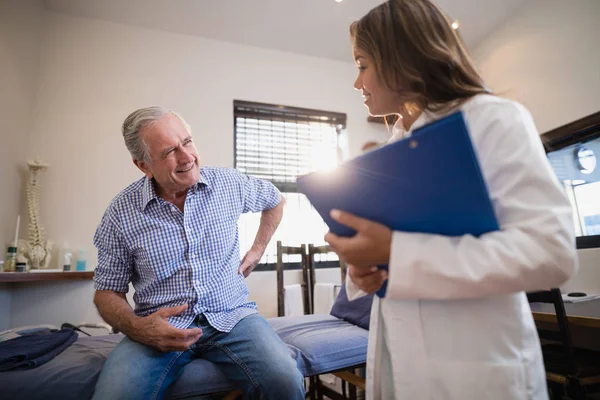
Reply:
x=174, y=235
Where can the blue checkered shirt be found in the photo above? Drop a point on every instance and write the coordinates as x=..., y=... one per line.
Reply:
x=174, y=258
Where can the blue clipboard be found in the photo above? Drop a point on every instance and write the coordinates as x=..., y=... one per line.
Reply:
x=428, y=183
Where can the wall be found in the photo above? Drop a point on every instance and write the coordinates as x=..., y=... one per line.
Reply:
x=94, y=73
x=547, y=57
x=5, y=306
x=20, y=40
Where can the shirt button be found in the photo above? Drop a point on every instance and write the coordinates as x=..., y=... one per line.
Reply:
x=193, y=255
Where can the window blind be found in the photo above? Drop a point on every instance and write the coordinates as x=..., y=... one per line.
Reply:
x=280, y=143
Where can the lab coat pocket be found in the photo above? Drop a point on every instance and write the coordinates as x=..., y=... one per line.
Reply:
x=478, y=380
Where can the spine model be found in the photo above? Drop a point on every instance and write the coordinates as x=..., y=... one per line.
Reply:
x=36, y=250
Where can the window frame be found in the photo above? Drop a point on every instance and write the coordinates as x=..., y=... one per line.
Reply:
x=577, y=132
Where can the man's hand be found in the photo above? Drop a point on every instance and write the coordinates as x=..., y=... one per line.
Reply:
x=370, y=246
x=368, y=279
x=155, y=331
x=250, y=261
x=269, y=221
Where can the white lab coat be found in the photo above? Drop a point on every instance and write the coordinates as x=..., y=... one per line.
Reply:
x=455, y=322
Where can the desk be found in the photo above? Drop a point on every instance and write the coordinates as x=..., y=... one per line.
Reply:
x=585, y=331
x=574, y=320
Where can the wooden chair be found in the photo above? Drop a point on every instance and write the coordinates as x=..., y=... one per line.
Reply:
x=348, y=376
x=281, y=250
x=570, y=371
x=312, y=251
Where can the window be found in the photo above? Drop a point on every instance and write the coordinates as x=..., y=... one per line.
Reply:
x=278, y=144
x=573, y=151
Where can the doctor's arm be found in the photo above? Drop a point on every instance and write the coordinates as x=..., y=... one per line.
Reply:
x=534, y=248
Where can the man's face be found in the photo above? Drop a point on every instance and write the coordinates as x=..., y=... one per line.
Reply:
x=174, y=160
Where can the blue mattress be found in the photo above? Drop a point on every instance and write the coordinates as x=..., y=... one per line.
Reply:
x=319, y=344
x=322, y=343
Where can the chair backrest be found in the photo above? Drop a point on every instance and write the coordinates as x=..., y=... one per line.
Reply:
x=312, y=251
x=281, y=250
x=563, y=334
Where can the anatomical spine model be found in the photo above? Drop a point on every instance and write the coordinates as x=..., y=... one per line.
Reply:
x=36, y=250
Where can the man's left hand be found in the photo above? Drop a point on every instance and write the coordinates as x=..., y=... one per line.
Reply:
x=250, y=261
x=370, y=246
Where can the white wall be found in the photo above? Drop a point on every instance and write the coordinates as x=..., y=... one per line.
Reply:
x=20, y=38
x=547, y=58
x=6, y=306
x=94, y=73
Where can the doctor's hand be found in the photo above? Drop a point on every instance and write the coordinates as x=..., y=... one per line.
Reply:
x=370, y=246
x=367, y=279
x=155, y=331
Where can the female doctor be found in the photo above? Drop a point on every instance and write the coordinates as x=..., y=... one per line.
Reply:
x=455, y=322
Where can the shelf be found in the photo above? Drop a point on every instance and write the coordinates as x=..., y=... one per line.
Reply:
x=45, y=276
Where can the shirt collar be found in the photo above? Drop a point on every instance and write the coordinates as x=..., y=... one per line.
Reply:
x=202, y=181
x=149, y=194
x=398, y=131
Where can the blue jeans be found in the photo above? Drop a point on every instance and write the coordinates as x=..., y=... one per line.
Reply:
x=252, y=356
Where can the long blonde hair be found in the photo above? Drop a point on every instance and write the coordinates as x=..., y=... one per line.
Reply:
x=418, y=54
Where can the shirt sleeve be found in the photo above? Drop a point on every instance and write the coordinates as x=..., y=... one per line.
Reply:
x=534, y=248
x=353, y=292
x=115, y=265
x=258, y=194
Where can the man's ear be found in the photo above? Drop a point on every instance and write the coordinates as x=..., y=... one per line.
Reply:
x=143, y=166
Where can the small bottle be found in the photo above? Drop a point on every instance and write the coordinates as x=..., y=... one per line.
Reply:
x=67, y=260
x=80, y=260
x=21, y=267
x=11, y=260
x=1, y=265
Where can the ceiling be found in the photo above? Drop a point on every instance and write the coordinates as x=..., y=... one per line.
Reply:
x=311, y=27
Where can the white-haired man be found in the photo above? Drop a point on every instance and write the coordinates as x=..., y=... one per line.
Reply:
x=174, y=235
